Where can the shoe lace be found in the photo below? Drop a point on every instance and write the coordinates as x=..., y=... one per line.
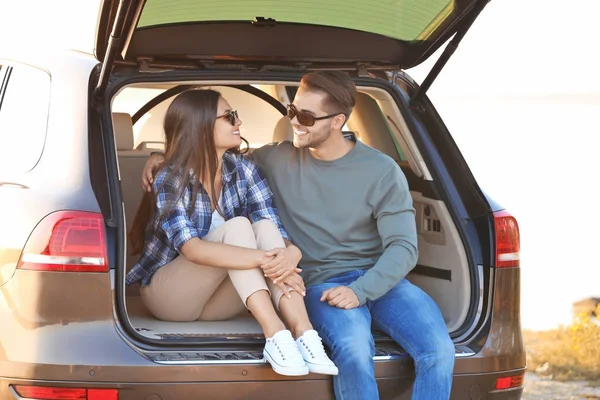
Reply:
x=314, y=346
x=286, y=348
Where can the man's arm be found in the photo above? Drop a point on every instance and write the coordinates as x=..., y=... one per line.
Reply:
x=261, y=155
x=157, y=158
x=155, y=161
x=393, y=209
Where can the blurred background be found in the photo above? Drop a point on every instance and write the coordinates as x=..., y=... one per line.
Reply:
x=521, y=97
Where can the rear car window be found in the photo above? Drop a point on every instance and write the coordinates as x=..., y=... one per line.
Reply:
x=24, y=102
x=258, y=117
x=399, y=19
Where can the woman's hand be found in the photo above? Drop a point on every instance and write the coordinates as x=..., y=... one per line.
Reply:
x=263, y=258
x=152, y=165
x=292, y=282
x=284, y=264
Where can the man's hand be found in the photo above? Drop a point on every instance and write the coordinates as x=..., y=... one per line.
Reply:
x=152, y=165
x=341, y=297
x=284, y=264
x=295, y=282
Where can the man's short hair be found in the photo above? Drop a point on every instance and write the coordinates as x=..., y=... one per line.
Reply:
x=339, y=89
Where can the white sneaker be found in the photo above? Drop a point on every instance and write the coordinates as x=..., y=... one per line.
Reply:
x=314, y=354
x=283, y=355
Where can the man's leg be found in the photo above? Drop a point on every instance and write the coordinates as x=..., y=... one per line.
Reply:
x=347, y=333
x=414, y=321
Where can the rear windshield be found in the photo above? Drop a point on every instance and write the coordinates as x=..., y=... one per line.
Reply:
x=399, y=19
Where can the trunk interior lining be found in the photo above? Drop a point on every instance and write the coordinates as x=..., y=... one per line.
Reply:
x=445, y=278
x=147, y=325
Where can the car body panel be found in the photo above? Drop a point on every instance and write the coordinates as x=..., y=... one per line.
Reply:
x=66, y=329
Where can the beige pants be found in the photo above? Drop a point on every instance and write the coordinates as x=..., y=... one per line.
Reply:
x=183, y=291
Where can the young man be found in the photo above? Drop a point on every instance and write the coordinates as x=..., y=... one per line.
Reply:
x=348, y=208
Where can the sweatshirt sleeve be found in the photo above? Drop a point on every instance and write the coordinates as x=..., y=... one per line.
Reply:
x=393, y=209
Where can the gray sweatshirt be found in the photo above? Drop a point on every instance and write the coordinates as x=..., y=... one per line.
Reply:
x=351, y=213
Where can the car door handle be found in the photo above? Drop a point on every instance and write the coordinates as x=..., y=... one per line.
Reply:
x=13, y=185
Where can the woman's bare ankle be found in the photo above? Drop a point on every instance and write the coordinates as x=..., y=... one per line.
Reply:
x=259, y=303
x=294, y=314
x=298, y=331
x=271, y=330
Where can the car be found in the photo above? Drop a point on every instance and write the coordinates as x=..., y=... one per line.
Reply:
x=78, y=128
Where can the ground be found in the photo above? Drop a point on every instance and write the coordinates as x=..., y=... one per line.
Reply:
x=542, y=388
x=564, y=363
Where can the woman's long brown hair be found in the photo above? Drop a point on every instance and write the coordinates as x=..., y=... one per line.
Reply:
x=189, y=146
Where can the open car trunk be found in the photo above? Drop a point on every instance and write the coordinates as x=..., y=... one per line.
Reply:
x=442, y=271
x=255, y=54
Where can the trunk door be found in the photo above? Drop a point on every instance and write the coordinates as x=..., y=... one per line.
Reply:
x=396, y=33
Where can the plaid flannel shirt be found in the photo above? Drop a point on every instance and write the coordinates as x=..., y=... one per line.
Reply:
x=245, y=193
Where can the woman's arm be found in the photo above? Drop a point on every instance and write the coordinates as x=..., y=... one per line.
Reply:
x=223, y=255
x=184, y=235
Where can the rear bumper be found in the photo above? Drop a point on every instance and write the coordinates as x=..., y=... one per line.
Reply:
x=286, y=389
x=80, y=346
x=470, y=386
x=483, y=386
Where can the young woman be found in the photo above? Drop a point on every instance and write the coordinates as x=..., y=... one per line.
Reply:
x=210, y=235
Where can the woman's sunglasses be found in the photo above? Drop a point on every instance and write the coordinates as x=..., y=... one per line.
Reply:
x=304, y=118
x=231, y=116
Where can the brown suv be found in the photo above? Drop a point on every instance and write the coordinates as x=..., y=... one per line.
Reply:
x=77, y=130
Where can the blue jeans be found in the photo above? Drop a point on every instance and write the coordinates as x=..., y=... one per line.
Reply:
x=405, y=313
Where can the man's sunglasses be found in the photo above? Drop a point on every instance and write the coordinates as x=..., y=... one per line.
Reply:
x=231, y=116
x=304, y=118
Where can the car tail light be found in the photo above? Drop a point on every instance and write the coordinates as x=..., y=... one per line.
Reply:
x=508, y=244
x=56, y=393
x=509, y=382
x=67, y=241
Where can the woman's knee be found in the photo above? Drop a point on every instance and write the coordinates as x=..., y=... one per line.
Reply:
x=239, y=223
x=267, y=234
x=238, y=231
x=264, y=225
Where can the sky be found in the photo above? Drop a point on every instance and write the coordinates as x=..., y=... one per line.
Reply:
x=521, y=97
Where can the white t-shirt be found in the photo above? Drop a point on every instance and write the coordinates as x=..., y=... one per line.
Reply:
x=217, y=219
